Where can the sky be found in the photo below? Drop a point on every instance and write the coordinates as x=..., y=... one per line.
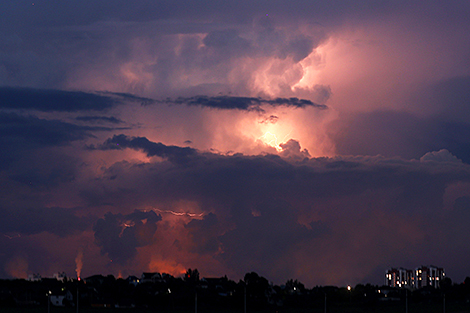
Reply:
x=324, y=141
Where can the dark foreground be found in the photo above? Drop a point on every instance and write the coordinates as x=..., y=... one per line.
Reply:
x=341, y=308
x=167, y=294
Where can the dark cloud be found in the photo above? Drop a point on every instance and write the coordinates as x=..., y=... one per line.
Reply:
x=403, y=134
x=443, y=125
x=272, y=119
x=20, y=135
x=250, y=175
x=173, y=153
x=29, y=221
x=269, y=42
x=53, y=100
x=119, y=235
x=99, y=119
x=33, y=131
x=46, y=168
x=23, y=134
x=89, y=12
x=128, y=97
x=228, y=43
x=204, y=234
x=243, y=103
x=34, y=154
x=451, y=97
x=276, y=230
x=272, y=41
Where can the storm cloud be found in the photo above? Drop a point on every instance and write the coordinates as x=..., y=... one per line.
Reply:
x=318, y=141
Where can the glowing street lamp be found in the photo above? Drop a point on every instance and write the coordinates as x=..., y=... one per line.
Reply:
x=349, y=292
x=49, y=301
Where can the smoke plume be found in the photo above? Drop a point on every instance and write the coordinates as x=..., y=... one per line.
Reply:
x=79, y=263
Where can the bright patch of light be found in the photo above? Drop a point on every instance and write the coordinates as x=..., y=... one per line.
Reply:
x=270, y=139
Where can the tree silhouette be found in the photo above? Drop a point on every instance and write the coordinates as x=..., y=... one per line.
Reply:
x=191, y=276
x=295, y=286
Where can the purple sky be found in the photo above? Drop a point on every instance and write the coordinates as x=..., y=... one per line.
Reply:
x=322, y=141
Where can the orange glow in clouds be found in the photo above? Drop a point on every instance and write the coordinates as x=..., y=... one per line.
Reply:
x=166, y=266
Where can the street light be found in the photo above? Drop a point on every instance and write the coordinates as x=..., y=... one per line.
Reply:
x=48, y=301
x=349, y=292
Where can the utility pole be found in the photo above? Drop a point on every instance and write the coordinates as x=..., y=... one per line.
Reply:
x=244, y=299
x=49, y=302
x=406, y=300
x=325, y=302
x=195, y=303
x=77, y=297
x=444, y=304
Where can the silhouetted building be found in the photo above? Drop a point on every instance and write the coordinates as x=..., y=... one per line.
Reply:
x=399, y=277
x=61, y=276
x=420, y=277
x=134, y=280
x=95, y=279
x=151, y=277
x=34, y=277
x=59, y=298
x=429, y=276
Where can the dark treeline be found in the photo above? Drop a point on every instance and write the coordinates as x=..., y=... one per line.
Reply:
x=163, y=292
